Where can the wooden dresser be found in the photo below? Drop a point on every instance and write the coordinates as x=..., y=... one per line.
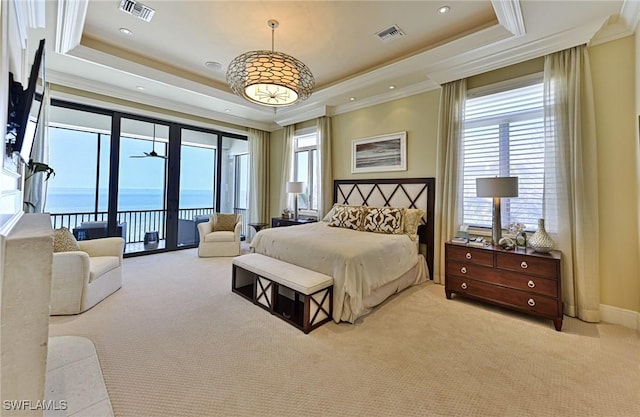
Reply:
x=520, y=279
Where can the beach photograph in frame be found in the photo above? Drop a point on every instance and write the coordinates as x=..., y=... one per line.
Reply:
x=379, y=153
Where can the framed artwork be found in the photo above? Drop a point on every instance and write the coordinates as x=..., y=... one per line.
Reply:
x=379, y=153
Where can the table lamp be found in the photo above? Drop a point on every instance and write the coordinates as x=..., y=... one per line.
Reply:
x=295, y=187
x=496, y=188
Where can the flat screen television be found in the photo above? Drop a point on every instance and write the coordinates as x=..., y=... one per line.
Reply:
x=25, y=106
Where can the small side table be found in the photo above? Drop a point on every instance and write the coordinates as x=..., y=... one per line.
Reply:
x=258, y=226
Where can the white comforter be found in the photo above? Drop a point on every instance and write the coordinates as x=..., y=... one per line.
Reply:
x=359, y=262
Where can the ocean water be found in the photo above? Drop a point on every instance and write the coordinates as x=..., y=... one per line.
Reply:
x=82, y=200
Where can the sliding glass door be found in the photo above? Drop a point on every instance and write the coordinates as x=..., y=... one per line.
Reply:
x=142, y=184
x=234, y=195
x=198, y=155
x=147, y=180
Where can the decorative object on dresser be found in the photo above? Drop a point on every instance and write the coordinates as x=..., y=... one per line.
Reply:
x=521, y=280
x=541, y=241
x=279, y=222
x=295, y=188
x=497, y=188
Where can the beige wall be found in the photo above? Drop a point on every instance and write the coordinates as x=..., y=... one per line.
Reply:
x=417, y=115
x=613, y=73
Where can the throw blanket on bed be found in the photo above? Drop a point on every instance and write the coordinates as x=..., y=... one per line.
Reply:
x=359, y=262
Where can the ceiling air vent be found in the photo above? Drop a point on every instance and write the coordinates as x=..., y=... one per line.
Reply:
x=137, y=9
x=390, y=34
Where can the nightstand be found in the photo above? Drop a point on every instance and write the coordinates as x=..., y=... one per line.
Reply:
x=280, y=222
x=520, y=279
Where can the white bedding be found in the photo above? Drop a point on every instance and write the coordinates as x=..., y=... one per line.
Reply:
x=359, y=262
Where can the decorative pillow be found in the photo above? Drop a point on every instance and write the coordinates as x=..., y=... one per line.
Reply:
x=64, y=241
x=224, y=222
x=387, y=220
x=327, y=217
x=412, y=219
x=348, y=217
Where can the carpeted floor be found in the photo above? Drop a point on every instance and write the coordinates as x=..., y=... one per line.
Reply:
x=175, y=341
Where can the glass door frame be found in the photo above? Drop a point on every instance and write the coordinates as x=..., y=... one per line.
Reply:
x=172, y=180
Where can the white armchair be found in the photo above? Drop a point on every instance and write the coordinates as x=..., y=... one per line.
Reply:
x=81, y=279
x=220, y=242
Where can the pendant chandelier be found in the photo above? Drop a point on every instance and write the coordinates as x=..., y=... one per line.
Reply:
x=270, y=78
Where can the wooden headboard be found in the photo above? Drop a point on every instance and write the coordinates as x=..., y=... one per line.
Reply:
x=394, y=192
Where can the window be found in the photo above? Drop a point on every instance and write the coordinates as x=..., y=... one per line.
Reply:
x=504, y=136
x=305, y=166
x=242, y=182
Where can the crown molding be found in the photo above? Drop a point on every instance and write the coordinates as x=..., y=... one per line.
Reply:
x=109, y=90
x=627, y=24
x=630, y=14
x=313, y=113
x=509, y=15
x=70, y=23
x=466, y=65
x=396, y=94
x=29, y=14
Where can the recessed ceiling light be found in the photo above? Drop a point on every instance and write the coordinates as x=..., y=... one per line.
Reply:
x=444, y=9
x=213, y=65
x=391, y=87
x=139, y=87
x=126, y=31
x=352, y=98
x=227, y=110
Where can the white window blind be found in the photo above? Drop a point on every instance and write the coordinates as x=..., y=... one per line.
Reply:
x=504, y=136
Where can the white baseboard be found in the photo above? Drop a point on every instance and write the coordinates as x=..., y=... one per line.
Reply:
x=621, y=316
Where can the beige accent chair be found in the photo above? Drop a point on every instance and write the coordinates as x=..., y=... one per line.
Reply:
x=219, y=242
x=81, y=279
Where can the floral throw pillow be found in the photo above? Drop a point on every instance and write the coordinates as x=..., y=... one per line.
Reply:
x=64, y=241
x=348, y=217
x=224, y=222
x=387, y=220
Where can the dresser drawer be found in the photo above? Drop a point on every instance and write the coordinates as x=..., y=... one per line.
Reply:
x=468, y=269
x=467, y=254
x=543, y=267
x=519, y=300
x=523, y=282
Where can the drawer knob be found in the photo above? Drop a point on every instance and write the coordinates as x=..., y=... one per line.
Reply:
x=531, y=284
x=531, y=302
x=463, y=285
x=463, y=269
x=524, y=265
x=468, y=255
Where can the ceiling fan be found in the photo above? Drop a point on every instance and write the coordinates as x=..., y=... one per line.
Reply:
x=153, y=152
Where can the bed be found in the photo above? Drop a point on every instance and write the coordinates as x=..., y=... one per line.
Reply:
x=367, y=267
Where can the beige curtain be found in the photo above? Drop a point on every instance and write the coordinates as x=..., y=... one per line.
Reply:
x=286, y=199
x=448, y=188
x=571, y=179
x=35, y=186
x=258, y=177
x=325, y=194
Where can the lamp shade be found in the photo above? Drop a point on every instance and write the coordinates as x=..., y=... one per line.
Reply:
x=270, y=77
x=295, y=186
x=497, y=187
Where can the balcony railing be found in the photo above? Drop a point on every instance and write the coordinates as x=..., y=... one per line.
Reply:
x=137, y=222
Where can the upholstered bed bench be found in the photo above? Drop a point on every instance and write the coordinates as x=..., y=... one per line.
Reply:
x=301, y=297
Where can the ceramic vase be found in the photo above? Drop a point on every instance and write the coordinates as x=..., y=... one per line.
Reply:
x=541, y=241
